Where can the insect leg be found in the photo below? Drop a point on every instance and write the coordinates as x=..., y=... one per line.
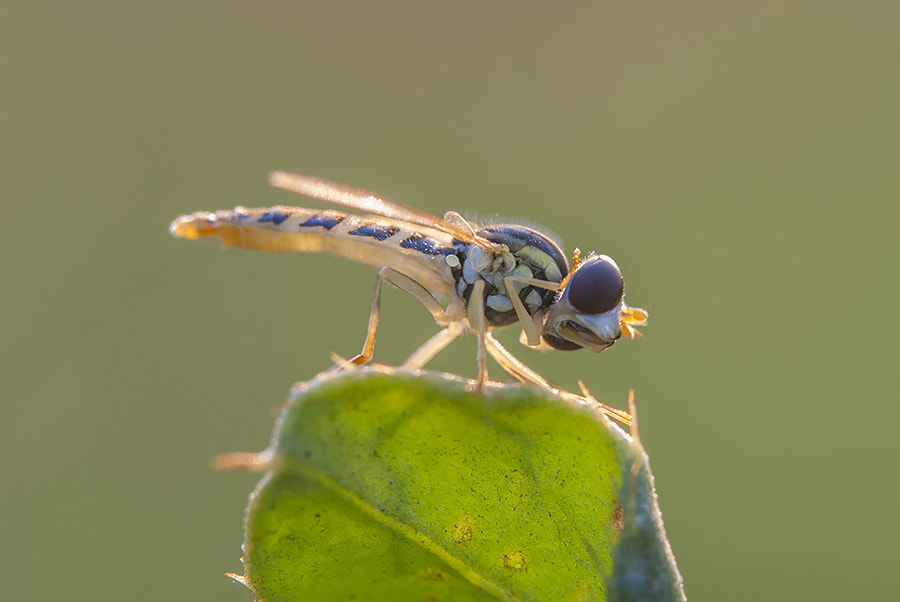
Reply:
x=526, y=375
x=532, y=336
x=406, y=284
x=513, y=365
x=432, y=346
x=478, y=325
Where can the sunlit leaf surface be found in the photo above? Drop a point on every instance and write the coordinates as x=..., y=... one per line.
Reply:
x=398, y=487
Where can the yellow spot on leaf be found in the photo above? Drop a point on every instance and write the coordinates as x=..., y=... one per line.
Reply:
x=462, y=531
x=515, y=561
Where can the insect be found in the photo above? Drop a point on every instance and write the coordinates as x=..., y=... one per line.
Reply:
x=467, y=277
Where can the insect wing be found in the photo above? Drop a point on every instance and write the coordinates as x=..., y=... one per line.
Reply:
x=357, y=198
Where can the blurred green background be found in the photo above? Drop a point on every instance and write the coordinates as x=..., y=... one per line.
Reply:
x=738, y=160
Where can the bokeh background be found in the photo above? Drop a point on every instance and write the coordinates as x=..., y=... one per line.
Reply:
x=738, y=159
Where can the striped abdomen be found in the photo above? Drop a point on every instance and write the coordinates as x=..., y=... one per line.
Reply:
x=420, y=254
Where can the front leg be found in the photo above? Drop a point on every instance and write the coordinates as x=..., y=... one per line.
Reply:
x=526, y=375
x=532, y=334
x=513, y=365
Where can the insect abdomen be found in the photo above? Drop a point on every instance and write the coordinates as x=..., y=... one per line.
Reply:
x=378, y=242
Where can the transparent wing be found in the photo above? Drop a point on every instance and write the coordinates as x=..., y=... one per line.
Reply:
x=363, y=200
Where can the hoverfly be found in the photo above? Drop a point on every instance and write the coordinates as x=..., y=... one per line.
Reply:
x=466, y=276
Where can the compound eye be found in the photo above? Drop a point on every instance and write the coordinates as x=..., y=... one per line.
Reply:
x=596, y=287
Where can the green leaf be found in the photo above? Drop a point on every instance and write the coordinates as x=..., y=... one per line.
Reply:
x=399, y=487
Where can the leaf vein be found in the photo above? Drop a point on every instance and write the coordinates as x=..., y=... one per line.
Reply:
x=410, y=533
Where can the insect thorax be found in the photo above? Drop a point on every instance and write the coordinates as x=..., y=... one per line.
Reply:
x=536, y=256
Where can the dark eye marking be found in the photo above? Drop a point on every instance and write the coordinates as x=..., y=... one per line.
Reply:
x=596, y=287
